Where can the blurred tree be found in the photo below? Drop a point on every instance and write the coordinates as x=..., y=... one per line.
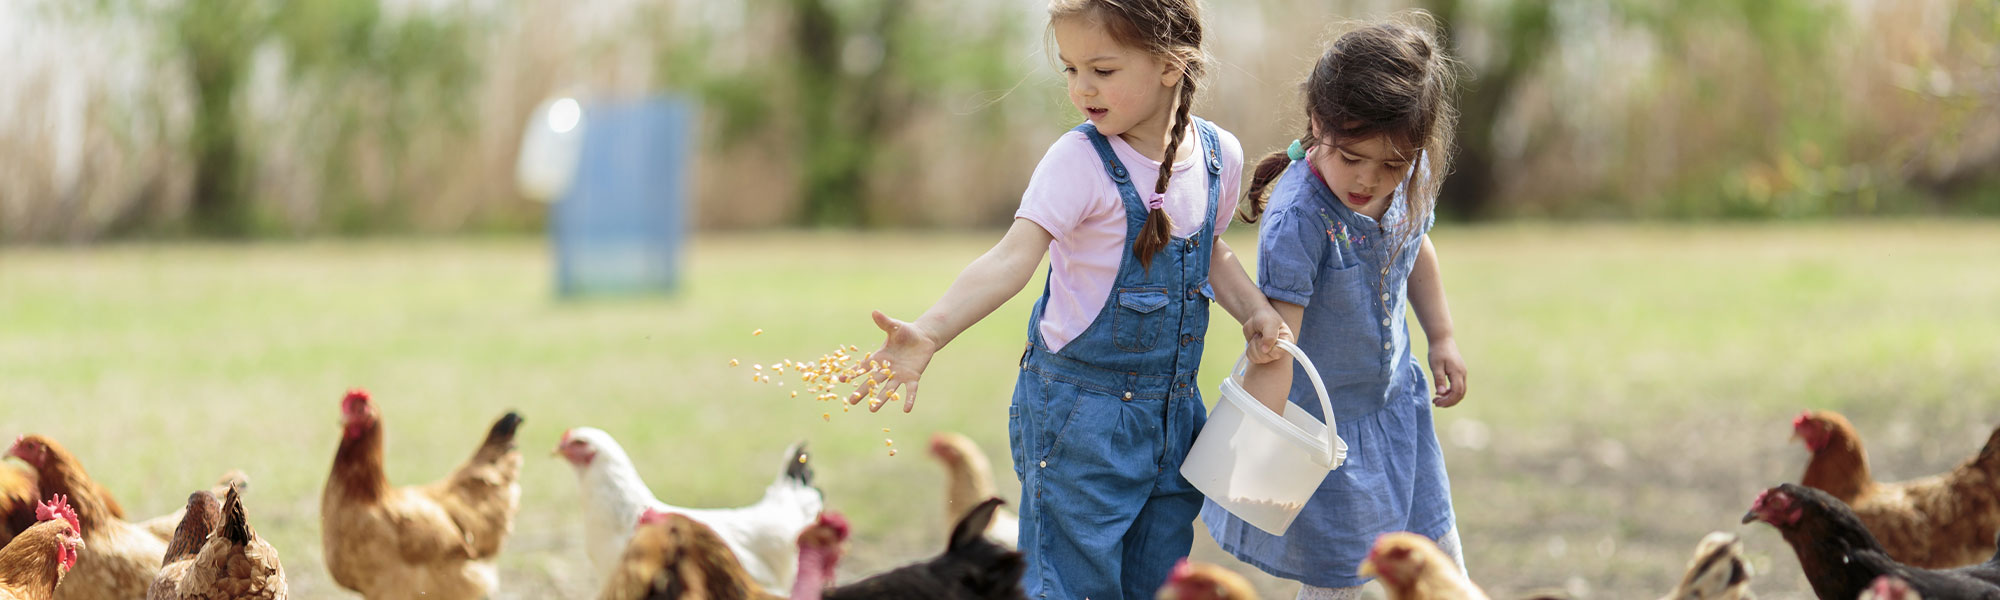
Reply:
x=1522, y=33
x=843, y=79
x=370, y=74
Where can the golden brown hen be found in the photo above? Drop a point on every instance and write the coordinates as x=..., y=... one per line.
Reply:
x=1718, y=571
x=970, y=482
x=1202, y=581
x=1940, y=521
x=18, y=493
x=218, y=557
x=119, y=559
x=165, y=525
x=432, y=541
x=35, y=562
x=674, y=557
x=1411, y=567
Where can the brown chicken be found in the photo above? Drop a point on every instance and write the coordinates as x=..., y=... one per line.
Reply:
x=35, y=562
x=1202, y=581
x=433, y=541
x=1411, y=567
x=119, y=559
x=165, y=525
x=218, y=557
x=1941, y=521
x=673, y=557
x=18, y=493
x=1718, y=571
x=970, y=482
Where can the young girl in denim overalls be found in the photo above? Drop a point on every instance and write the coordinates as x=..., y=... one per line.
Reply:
x=1106, y=403
x=1343, y=249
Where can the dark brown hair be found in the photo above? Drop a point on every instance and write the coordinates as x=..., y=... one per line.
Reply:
x=1170, y=30
x=1390, y=78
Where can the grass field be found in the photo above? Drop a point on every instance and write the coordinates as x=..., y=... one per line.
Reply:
x=1631, y=387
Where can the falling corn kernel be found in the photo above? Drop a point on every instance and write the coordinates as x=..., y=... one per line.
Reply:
x=827, y=416
x=757, y=332
x=895, y=396
x=795, y=393
x=874, y=404
x=802, y=458
x=885, y=364
x=753, y=378
x=732, y=362
x=888, y=442
x=853, y=348
x=892, y=375
x=757, y=367
x=892, y=452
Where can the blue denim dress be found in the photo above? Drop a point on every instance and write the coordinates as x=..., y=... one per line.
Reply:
x=1315, y=252
x=1098, y=430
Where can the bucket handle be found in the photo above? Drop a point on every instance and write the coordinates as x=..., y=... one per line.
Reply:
x=1332, y=440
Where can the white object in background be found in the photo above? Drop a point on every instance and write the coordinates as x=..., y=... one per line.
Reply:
x=1261, y=466
x=550, y=146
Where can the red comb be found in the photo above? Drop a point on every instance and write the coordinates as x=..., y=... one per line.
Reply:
x=836, y=522
x=355, y=395
x=653, y=515
x=1802, y=419
x=58, y=506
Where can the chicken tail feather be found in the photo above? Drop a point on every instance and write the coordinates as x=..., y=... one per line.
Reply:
x=797, y=467
x=501, y=439
x=235, y=527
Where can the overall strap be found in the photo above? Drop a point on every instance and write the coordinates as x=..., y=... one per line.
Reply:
x=1135, y=208
x=1212, y=145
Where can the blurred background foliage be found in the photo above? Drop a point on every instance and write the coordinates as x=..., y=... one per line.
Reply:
x=230, y=118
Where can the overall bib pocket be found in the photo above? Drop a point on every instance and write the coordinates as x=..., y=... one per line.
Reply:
x=1137, y=321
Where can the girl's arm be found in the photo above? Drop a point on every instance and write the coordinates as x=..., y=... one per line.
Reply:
x=987, y=283
x=1427, y=298
x=1271, y=382
x=1262, y=326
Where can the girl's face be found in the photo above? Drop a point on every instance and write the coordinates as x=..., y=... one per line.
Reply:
x=1363, y=173
x=1124, y=91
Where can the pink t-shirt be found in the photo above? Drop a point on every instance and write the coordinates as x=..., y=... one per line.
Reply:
x=1073, y=198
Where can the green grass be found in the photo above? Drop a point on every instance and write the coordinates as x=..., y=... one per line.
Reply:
x=1631, y=386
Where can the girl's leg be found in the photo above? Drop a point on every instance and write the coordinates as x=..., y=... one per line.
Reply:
x=1320, y=593
x=1450, y=545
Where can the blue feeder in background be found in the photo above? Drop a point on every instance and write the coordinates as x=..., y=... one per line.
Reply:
x=619, y=174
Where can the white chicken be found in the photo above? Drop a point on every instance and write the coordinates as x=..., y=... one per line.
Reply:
x=763, y=535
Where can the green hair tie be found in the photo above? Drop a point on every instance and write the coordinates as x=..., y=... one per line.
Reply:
x=1296, y=151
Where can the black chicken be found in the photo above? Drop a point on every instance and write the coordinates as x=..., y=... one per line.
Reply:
x=1841, y=559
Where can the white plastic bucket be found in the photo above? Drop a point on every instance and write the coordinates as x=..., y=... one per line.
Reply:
x=1260, y=465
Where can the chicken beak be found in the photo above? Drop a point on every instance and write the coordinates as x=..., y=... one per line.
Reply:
x=1749, y=516
x=1367, y=568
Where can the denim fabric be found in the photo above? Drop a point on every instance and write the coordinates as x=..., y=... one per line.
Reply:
x=1351, y=273
x=1099, y=429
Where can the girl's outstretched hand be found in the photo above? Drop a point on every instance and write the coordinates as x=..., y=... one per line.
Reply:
x=1447, y=373
x=1261, y=334
x=898, y=364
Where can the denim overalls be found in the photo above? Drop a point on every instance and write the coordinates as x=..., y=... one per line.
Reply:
x=1098, y=430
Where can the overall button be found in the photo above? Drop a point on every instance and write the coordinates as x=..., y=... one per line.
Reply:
x=1385, y=322
x=1192, y=292
x=1387, y=345
x=1385, y=270
x=1185, y=338
x=1128, y=396
x=1385, y=296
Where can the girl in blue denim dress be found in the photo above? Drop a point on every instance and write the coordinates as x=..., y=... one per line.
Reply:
x=1105, y=406
x=1341, y=252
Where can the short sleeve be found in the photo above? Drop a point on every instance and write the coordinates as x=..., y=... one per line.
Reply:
x=1063, y=188
x=1289, y=251
x=1232, y=179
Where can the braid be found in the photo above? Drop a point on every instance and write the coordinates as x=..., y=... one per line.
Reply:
x=1158, y=228
x=1254, y=198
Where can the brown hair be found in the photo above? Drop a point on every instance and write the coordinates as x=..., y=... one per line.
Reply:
x=1392, y=78
x=1170, y=30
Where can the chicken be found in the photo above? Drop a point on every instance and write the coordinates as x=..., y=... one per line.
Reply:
x=1718, y=571
x=761, y=534
x=1203, y=581
x=34, y=563
x=1944, y=520
x=971, y=482
x=218, y=557
x=673, y=557
x=18, y=493
x=972, y=567
x=1841, y=558
x=1411, y=567
x=165, y=525
x=119, y=559
x=435, y=540
x=1890, y=587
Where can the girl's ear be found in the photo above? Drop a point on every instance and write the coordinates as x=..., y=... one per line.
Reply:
x=1171, y=74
